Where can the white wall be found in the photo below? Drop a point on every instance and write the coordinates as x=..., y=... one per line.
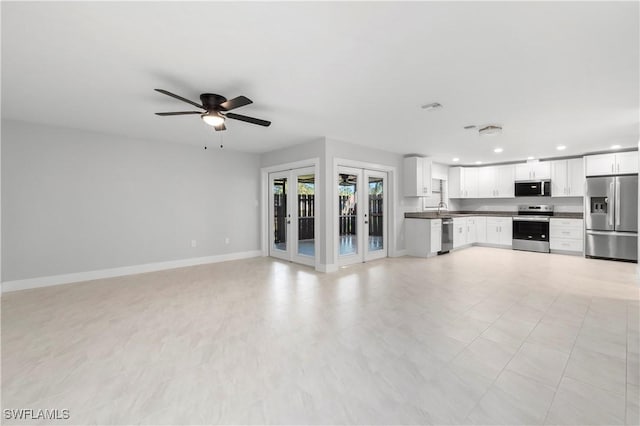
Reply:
x=75, y=201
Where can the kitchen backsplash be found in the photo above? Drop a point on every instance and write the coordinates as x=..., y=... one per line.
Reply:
x=561, y=204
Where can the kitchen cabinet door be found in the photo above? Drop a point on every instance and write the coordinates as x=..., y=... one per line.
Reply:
x=417, y=177
x=559, y=187
x=459, y=232
x=472, y=232
x=523, y=172
x=436, y=236
x=506, y=232
x=505, y=179
x=455, y=182
x=575, y=177
x=481, y=229
x=471, y=182
x=493, y=230
x=627, y=162
x=599, y=165
x=499, y=231
x=541, y=170
x=487, y=182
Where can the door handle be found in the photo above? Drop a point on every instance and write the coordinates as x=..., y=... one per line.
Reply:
x=610, y=213
x=617, y=206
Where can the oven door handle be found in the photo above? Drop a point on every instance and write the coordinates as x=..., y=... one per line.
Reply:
x=531, y=219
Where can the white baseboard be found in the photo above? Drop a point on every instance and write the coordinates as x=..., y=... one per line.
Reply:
x=399, y=253
x=37, y=282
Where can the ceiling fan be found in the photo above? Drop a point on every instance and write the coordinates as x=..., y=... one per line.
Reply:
x=216, y=109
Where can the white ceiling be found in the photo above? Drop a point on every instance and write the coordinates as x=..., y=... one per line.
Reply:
x=550, y=73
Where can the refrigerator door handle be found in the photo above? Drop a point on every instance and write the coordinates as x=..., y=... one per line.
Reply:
x=617, y=234
x=611, y=195
x=617, y=204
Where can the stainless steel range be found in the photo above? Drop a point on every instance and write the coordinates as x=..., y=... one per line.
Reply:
x=531, y=228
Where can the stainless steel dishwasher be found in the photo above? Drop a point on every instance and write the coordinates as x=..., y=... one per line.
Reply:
x=447, y=235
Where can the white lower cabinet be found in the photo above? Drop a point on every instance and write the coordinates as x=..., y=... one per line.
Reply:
x=423, y=237
x=472, y=231
x=499, y=231
x=435, y=243
x=481, y=229
x=459, y=232
x=566, y=235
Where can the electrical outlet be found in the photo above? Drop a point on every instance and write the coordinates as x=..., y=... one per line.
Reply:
x=194, y=243
x=227, y=240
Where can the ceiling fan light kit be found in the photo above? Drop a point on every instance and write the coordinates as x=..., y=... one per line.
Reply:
x=212, y=119
x=216, y=107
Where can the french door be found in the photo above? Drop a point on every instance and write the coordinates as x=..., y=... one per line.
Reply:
x=292, y=208
x=362, y=215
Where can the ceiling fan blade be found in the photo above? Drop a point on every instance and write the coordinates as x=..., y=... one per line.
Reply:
x=248, y=119
x=235, y=103
x=173, y=95
x=220, y=127
x=178, y=113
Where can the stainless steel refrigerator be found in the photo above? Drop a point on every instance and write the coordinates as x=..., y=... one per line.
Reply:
x=611, y=217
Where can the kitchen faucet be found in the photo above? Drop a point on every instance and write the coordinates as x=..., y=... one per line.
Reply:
x=442, y=204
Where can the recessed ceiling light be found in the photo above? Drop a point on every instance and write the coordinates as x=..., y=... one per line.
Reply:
x=561, y=147
x=615, y=147
x=497, y=150
x=432, y=106
x=478, y=162
x=530, y=158
x=456, y=159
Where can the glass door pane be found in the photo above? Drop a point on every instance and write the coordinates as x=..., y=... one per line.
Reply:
x=376, y=213
x=306, y=190
x=279, y=194
x=347, y=213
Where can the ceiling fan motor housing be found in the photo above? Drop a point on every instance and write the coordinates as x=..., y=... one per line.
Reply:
x=211, y=101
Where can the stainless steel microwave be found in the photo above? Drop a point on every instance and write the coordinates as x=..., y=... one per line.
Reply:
x=533, y=188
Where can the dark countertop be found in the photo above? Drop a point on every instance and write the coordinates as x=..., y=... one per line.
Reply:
x=463, y=213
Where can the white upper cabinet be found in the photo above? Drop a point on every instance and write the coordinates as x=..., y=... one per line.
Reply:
x=496, y=181
x=611, y=164
x=505, y=179
x=540, y=170
x=463, y=182
x=627, y=162
x=486, y=182
x=567, y=178
x=417, y=177
x=575, y=177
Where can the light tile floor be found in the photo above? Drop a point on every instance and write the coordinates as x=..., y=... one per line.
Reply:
x=478, y=336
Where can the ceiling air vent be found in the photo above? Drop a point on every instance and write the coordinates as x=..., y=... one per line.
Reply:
x=490, y=130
